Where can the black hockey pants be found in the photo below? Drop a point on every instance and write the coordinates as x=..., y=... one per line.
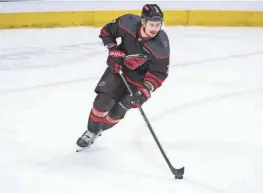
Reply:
x=111, y=103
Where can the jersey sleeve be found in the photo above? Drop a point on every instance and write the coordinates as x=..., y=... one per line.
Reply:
x=110, y=32
x=159, y=63
x=158, y=72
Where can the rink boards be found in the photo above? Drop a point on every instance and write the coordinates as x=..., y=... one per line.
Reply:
x=91, y=13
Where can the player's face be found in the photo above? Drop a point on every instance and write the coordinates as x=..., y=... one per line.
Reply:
x=152, y=28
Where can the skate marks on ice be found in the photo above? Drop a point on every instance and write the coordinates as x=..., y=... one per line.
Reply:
x=82, y=56
x=42, y=86
x=37, y=57
x=209, y=60
x=49, y=61
x=212, y=166
x=48, y=170
x=231, y=163
x=202, y=101
x=88, y=46
x=101, y=162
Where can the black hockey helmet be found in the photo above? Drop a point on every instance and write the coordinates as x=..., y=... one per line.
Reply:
x=152, y=12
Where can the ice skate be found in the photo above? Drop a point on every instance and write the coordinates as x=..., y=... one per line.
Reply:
x=87, y=139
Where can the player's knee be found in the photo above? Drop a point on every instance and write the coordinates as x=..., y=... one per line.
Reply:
x=118, y=111
x=103, y=102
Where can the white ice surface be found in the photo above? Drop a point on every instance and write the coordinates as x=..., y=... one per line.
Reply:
x=208, y=115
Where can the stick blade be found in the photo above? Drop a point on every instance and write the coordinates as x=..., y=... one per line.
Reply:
x=178, y=173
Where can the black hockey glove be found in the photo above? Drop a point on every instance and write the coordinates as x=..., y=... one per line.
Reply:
x=115, y=58
x=141, y=95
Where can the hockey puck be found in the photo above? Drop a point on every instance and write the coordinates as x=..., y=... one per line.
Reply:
x=178, y=177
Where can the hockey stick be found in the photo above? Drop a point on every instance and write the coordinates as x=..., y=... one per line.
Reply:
x=178, y=173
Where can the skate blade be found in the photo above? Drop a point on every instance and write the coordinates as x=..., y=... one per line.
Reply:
x=82, y=149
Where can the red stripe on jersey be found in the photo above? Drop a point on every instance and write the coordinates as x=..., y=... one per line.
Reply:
x=153, y=81
x=150, y=75
x=127, y=30
x=103, y=32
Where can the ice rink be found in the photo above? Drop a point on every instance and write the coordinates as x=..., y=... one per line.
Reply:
x=208, y=115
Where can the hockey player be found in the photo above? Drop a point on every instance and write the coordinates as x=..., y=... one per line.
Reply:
x=143, y=56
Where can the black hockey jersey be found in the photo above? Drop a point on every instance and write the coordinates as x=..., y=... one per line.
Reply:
x=157, y=49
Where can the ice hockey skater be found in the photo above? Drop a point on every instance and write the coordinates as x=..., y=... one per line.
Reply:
x=143, y=56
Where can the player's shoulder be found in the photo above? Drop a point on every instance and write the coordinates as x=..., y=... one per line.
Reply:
x=130, y=18
x=129, y=23
x=162, y=36
x=159, y=45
